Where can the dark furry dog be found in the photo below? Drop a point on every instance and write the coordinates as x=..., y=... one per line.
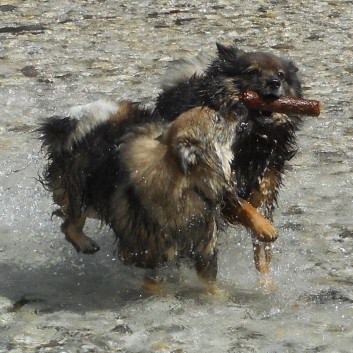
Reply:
x=158, y=186
x=264, y=142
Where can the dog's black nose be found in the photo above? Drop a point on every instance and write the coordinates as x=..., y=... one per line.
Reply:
x=274, y=83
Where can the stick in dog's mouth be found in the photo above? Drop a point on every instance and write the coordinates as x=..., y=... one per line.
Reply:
x=286, y=105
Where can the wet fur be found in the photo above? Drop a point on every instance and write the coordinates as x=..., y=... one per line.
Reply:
x=158, y=186
x=264, y=142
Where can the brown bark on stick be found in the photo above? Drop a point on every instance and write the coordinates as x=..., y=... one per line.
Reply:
x=285, y=105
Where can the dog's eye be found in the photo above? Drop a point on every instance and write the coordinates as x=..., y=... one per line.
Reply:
x=280, y=74
x=251, y=71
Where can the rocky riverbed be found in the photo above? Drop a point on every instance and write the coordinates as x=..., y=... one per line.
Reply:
x=56, y=54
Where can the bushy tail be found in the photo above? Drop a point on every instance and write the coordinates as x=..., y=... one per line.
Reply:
x=183, y=69
x=61, y=134
x=55, y=131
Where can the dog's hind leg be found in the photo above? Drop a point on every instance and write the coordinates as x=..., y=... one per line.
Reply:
x=73, y=230
x=206, y=264
x=206, y=267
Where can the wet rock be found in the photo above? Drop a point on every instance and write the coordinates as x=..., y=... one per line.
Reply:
x=329, y=296
x=122, y=329
x=349, y=69
x=6, y=315
x=315, y=36
x=294, y=210
x=33, y=338
x=24, y=28
x=316, y=349
x=293, y=226
x=168, y=329
x=347, y=233
x=88, y=348
x=330, y=155
x=29, y=71
x=20, y=127
x=5, y=304
x=19, y=304
x=283, y=46
x=244, y=332
x=153, y=15
x=181, y=21
x=7, y=8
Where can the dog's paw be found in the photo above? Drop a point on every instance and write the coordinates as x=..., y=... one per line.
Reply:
x=213, y=291
x=90, y=246
x=85, y=245
x=154, y=287
x=264, y=230
x=266, y=284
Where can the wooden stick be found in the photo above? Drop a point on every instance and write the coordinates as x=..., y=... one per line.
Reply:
x=286, y=105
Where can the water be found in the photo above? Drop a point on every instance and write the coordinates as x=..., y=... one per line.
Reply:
x=63, y=53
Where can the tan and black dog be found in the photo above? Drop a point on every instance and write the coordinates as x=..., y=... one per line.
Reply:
x=264, y=142
x=160, y=187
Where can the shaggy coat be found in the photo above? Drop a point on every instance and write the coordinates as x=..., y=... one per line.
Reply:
x=265, y=141
x=158, y=186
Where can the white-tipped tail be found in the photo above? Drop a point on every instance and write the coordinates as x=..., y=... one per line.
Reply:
x=89, y=116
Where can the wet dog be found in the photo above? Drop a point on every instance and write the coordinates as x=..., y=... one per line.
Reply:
x=264, y=142
x=159, y=186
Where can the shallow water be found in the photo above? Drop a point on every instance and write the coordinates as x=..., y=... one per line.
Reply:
x=56, y=54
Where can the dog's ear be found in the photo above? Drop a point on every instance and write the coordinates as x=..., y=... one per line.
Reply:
x=293, y=79
x=228, y=53
x=188, y=155
x=291, y=67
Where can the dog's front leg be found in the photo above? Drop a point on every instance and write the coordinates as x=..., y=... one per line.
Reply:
x=264, y=197
x=236, y=210
x=262, y=255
